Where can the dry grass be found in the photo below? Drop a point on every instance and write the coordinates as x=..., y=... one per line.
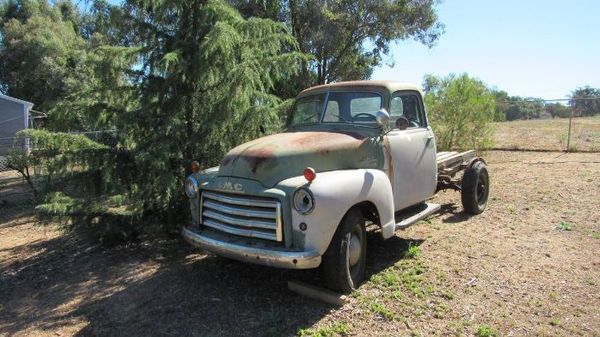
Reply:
x=511, y=271
x=549, y=134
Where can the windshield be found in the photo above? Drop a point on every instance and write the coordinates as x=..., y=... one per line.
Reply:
x=337, y=107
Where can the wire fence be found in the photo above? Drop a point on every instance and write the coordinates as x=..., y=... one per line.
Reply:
x=581, y=134
x=559, y=124
x=16, y=196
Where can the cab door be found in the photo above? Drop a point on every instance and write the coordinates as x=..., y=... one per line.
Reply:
x=413, y=166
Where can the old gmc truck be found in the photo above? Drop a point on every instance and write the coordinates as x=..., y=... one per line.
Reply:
x=353, y=153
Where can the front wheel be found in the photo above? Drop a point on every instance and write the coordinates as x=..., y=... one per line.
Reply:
x=475, y=188
x=344, y=262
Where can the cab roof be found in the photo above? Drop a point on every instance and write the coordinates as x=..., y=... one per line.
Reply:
x=390, y=86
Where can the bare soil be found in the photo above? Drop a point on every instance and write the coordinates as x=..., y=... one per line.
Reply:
x=529, y=265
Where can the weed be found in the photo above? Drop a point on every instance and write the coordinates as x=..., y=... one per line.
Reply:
x=555, y=321
x=440, y=310
x=562, y=138
x=411, y=280
x=447, y=294
x=553, y=296
x=573, y=148
x=564, y=226
x=377, y=308
x=335, y=329
x=511, y=209
x=372, y=304
x=485, y=330
x=387, y=278
x=412, y=251
x=390, y=278
x=398, y=295
x=596, y=235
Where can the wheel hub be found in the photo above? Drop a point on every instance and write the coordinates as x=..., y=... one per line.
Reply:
x=354, y=248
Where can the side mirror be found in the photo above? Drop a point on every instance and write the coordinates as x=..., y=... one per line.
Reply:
x=383, y=118
x=402, y=123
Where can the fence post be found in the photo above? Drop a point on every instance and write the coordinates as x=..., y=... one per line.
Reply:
x=569, y=135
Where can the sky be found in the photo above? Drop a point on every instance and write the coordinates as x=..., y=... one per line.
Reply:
x=529, y=48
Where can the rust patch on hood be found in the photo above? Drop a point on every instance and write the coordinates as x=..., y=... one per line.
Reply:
x=257, y=157
x=272, y=158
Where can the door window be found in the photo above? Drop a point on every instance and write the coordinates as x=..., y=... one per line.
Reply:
x=408, y=105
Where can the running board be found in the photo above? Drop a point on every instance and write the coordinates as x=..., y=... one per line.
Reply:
x=413, y=215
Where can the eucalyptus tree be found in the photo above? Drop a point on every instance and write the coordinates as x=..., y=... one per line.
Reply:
x=347, y=39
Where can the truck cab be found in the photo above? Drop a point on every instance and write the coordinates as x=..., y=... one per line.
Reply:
x=352, y=153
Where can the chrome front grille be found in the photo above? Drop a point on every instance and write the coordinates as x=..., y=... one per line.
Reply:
x=243, y=215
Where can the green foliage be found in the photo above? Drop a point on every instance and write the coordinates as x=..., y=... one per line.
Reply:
x=81, y=183
x=461, y=110
x=177, y=95
x=585, y=101
x=104, y=219
x=335, y=329
x=558, y=110
x=564, y=226
x=54, y=155
x=176, y=81
x=347, y=39
x=485, y=330
x=379, y=309
x=413, y=251
x=41, y=56
x=515, y=107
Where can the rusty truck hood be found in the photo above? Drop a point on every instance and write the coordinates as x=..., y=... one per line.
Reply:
x=274, y=158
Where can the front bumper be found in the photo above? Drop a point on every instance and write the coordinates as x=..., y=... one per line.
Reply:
x=250, y=251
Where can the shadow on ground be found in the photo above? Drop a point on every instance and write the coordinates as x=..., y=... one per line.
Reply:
x=159, y=288
x=453, y=213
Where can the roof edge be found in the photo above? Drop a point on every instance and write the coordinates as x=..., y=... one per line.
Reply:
x=16, y=100
x=389, y=85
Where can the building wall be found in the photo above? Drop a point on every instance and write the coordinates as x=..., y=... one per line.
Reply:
x=12, y=119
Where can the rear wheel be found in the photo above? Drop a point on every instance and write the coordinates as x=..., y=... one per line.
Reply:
x=344, y=262
x=475, y=188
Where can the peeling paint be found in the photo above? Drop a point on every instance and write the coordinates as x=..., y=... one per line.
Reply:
x=390, y=161
x=276, y=157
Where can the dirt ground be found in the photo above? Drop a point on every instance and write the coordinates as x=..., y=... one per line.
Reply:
x=529, y=265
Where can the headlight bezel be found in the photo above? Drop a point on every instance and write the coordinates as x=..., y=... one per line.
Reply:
x=192, y=187
x=298, y=201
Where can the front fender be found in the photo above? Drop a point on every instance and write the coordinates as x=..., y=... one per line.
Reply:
x=335, y=192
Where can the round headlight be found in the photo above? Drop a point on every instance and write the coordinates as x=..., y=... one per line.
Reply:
x=303, y=201
x=191, y=187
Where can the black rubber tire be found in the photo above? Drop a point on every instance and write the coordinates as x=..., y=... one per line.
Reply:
x=475, y=188
x=335, y=264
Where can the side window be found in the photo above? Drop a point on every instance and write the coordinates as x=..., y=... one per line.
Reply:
x=408, y=105
x=396, y=109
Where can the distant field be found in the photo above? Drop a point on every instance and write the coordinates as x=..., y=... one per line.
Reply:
x=549, y=134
